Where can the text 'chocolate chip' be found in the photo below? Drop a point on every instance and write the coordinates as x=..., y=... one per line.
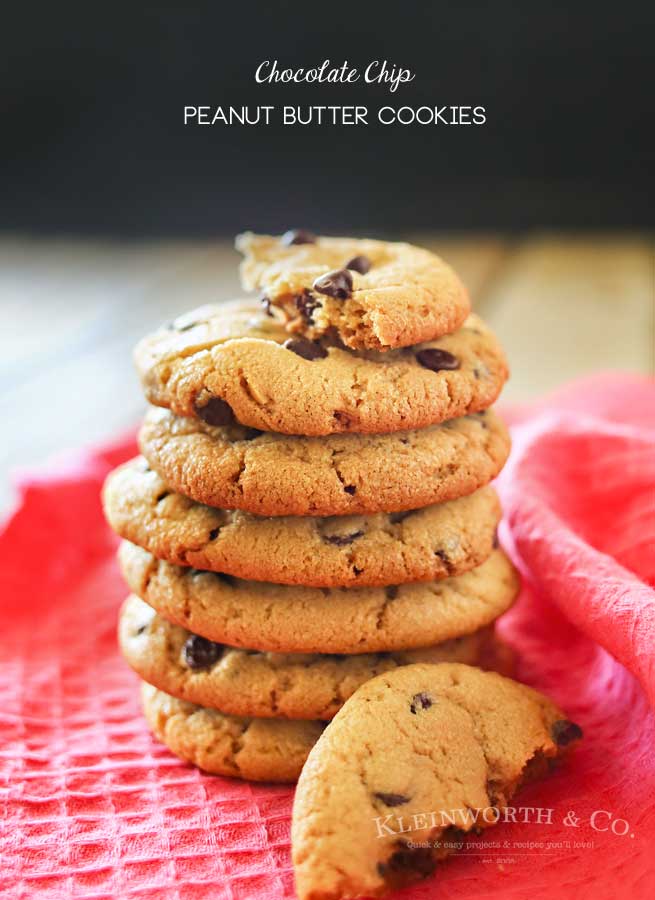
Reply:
x=215, y=412
x=435, y=359
x=199, y=653
x=304, y=348
x=338, y=284
x=361, y=264
x=297, y=236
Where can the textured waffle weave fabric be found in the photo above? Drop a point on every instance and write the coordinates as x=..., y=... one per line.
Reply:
x=93, y=807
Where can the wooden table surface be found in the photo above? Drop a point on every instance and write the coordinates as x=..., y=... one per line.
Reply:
x=72, y=310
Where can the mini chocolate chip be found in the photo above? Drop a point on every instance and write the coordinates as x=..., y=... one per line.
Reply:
x=213, y=534
x=418, y=862
x=496, y=542
x=140, y=630
x=397, y=517
x=443, y=556
x=199, y=653
x=492, y=793
x=306, y=349
x=215, y=412
x=361, y=264
x=357, y=571
x=435, y=359
x=332, y=338
x=266, y=303
x=420, y=701
x=306, y=303
x=564, y=732
x=476, y=373
x=343, y=419
x=350, y=489
x=341, y=540
x=338, y=284
x=227, y=579
x=391, y=591
x=297, y=236
x=391, y=799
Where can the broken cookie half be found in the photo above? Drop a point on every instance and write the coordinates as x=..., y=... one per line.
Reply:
x=415, y=759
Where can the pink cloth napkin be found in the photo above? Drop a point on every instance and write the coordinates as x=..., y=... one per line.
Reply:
x=93, y=807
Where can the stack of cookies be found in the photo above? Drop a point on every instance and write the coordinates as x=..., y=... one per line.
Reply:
x=312, y=506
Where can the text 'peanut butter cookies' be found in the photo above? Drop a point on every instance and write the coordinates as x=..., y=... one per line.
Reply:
x=230, y=362
x=374, y=295
x=415, y=758
x=281, y=475
x=272, y=617
x=255, y=749
x=282, y=685
x=384, y=548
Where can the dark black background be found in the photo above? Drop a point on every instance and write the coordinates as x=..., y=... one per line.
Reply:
x=93, y=139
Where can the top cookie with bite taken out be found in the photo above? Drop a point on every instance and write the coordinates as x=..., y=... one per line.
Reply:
x=368, y=295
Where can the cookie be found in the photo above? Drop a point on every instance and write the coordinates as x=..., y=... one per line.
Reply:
x=256, y=749
x=375, y=295
x=282, y=685
x=416, y=758
x=280, y=475
x=385, y=548
x=284, y=619
x=228, y=362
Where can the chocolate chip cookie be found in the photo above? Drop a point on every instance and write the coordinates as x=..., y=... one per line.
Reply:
x=281, y=685
x=373, y=295
x=230, y=362
x=284, y=619
x=385, y=548
x=256, y=749
x=268, y=474
x=416, y=758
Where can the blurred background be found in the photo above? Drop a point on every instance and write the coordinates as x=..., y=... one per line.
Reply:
x=114, y=215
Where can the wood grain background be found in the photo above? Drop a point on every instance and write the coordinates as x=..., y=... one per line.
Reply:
x=72, y=310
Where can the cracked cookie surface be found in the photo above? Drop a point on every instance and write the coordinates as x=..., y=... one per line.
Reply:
x=277, y=618
x=383, y=548
x=281, y=475
x=242, y=747
x=391, y=294
x=407, y=747
x=227, y=362
x=286, y=685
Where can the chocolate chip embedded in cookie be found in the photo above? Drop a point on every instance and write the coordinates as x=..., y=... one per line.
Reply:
x=273, y=617
x=232, y=363
x=385, y=548
x=256, y=749
x=281, y=685
x=375, y=295
x=282, y=475
x=416, y=758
